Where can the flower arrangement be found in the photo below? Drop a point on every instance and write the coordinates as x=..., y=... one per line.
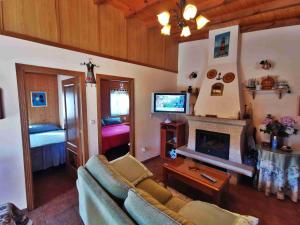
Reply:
x=284, y=127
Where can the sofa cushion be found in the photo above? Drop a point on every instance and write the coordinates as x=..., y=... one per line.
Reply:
x=202, y=213
x=111, y=180
x=131, y=169
x=158, y=192
x=146, y=210
x=175, y=204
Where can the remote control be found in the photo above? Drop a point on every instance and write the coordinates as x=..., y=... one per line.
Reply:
x=208, y=177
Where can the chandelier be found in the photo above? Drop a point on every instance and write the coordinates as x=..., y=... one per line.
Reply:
x=185, y=13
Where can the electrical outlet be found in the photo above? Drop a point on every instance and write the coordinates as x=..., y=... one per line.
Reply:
x=92, y=122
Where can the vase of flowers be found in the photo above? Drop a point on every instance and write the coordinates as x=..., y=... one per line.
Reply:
x=282, y=128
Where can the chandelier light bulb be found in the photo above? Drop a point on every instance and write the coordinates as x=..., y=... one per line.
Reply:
x=164, y=18
x=185, y=31
x=201, y=22
x=166, y=30
x=190, y=11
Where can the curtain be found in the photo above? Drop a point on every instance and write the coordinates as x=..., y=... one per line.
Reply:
x=119, y=103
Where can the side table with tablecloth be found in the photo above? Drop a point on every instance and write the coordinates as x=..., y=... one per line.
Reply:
x=279, y=172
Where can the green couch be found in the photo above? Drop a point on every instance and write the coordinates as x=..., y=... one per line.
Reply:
x=122, y=192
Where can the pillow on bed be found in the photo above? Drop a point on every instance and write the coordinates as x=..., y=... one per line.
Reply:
x=38, y=128
x=112, y=120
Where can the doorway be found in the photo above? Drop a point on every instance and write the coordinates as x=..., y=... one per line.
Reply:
x=54, y=129
x=115, y=106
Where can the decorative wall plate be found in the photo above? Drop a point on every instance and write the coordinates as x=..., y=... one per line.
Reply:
x=211, y=74
x=228, y=77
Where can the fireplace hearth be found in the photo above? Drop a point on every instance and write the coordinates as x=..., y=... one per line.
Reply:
x=213, y=143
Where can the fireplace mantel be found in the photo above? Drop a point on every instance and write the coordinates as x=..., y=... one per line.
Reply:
x=225, y=121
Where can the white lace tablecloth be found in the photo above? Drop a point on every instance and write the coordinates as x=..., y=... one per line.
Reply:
x=279, y=172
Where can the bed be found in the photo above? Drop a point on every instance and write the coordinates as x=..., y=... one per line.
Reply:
x=47, y=146
x=114, y=135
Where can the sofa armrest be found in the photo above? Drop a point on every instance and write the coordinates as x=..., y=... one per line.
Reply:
x=95, y=205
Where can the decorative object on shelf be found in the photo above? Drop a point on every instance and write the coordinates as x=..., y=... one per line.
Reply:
x=184, y=15
x=173, y=154
x=38, y=98
x=251, y=84
x=278, y=129
x=265, y=64
x=267, y=83
x=211, y=74
x=221, y=48
x=1, y=106
x=193, y=75
x=258, y=85
x=217, y=89
x=228, y=77
x=90, y=77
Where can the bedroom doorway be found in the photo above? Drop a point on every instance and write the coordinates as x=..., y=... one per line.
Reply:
x=54, y=130
x=115, y=103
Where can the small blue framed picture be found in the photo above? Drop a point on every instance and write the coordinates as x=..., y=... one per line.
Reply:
x=221, y=48
x=38, y=99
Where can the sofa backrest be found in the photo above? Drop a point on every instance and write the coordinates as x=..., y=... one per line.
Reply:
x=146, y=210
x=95, y=205
x=110, y=179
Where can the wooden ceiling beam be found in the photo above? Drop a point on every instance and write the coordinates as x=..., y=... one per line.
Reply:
x=99, y=2
x=268, y=7
x=248, y=28
x=141, y=8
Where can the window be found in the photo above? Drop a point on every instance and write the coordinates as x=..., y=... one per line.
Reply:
x=119, y=103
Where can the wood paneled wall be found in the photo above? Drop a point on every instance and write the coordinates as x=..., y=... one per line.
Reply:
x=84, y=26
x=47, y=83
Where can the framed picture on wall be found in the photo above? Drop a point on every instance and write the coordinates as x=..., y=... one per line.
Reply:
x=221, y=47
x=38, y=99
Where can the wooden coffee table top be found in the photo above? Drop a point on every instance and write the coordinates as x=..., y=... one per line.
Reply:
x=181, y=167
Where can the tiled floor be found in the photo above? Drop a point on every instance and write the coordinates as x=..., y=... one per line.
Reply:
x=242, y=199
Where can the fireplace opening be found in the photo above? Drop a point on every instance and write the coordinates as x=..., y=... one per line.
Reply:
x=213, y=143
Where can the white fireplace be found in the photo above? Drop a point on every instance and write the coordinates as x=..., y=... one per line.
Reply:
x=235, y=128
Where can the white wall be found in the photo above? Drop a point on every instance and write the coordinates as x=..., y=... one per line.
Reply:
x=147, y=80
x=280, y=45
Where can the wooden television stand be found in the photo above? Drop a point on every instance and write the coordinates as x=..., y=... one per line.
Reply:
x=172, y=136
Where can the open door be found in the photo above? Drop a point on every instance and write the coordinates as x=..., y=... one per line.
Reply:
x=72, y=123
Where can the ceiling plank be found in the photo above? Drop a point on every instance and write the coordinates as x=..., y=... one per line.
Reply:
x=142, y=7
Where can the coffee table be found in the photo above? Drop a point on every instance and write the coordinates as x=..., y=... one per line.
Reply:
x=188, y=171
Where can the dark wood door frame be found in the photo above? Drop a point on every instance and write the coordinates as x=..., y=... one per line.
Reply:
x=21, y=71
x=130, y=81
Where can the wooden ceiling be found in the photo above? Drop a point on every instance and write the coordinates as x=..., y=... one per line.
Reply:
x=251, y=15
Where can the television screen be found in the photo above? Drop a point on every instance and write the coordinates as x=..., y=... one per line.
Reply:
x=170, y=102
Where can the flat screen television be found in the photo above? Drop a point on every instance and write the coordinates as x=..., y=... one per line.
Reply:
x=170, y=103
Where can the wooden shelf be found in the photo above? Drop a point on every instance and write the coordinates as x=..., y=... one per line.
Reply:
x=169, y=132
x=278, y=91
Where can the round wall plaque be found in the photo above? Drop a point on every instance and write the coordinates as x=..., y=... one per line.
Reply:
x=228, y=77
x=211, y=74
